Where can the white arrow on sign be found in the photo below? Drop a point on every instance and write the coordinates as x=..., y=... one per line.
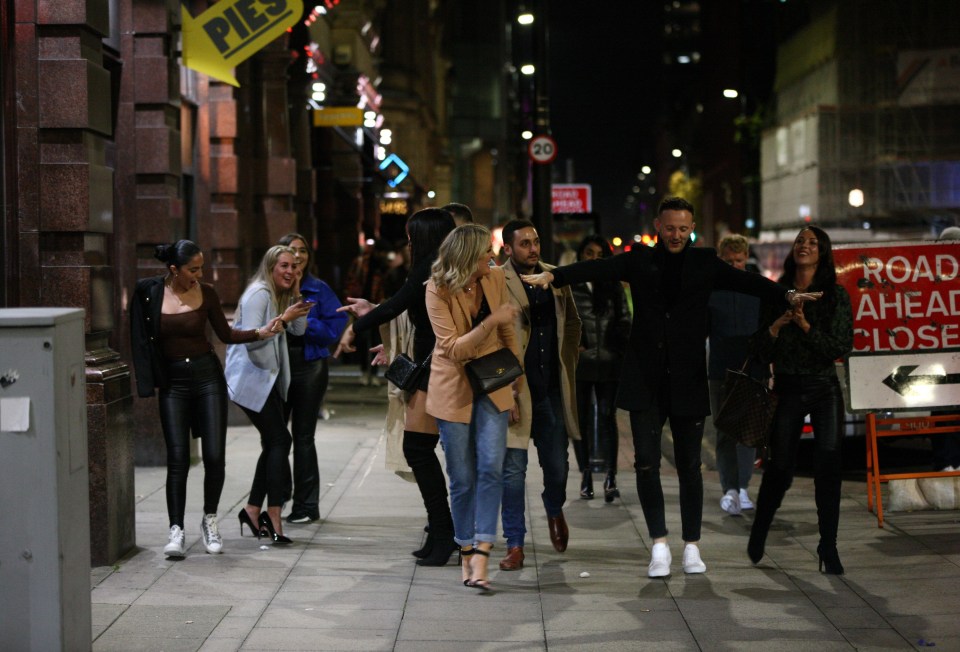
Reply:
x=905, y=380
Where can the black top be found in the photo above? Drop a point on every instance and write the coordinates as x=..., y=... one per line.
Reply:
x=540, y=363
x=410, y=297
x=668, y=332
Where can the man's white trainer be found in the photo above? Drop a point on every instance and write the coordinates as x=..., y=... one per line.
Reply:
x=730, y=503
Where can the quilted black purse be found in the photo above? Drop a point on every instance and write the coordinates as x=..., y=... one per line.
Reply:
x=405, y=373
x=490, y=372
x=747, y=411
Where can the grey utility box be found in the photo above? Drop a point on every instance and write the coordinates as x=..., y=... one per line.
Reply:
x=45, y=536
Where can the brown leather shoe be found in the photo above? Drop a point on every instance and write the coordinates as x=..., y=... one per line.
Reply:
x=513, y=559
x=559, y=534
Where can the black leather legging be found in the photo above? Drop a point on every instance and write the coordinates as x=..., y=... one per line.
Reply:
x=798, y=396
x=606, y=425
x=308, y=384
x=272, y=477
x=195, y=401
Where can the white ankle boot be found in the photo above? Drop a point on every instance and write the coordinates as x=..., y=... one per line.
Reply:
x=175, y=548
x=211, y=534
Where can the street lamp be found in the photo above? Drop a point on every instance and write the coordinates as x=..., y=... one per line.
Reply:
x=525, y=18
x=855, y=198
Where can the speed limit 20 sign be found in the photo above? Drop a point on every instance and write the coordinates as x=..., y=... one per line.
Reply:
x=542, y=149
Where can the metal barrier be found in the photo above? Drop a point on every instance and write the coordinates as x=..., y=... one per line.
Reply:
x=901, y=427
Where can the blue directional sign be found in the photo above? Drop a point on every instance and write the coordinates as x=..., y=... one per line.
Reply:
x=398, y=178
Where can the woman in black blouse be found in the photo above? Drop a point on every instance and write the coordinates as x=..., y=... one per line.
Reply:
x=802, y=344
x=168, y=321
x=426, y=229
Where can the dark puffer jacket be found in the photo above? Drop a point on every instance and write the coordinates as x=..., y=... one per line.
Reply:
x=604, y=337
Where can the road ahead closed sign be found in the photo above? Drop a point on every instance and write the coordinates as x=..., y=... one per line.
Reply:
x=906, y=321
x=571, y=198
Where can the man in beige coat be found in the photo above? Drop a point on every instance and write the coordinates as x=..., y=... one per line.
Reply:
x=548, y=330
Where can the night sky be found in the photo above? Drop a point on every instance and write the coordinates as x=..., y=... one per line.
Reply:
x=605, y=77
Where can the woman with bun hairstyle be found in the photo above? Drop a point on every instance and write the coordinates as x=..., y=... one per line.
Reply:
x=258, y=380
x=168, y=319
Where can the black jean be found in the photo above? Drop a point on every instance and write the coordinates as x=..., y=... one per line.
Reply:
x=602, y=437
x=272, y=477
x=798, y=396
x=308, y=384
x=195, y=401
x=687, y=432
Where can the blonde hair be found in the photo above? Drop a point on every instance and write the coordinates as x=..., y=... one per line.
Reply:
x=735, y=242
x=281, y=299
x=458, y=256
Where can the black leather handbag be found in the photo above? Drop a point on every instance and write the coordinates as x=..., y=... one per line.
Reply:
x=491, y=372
x=747, y=411
x=405, y=373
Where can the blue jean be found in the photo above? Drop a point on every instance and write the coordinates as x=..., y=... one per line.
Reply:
x=549, y=435
x=474, y=453
x=734, y=460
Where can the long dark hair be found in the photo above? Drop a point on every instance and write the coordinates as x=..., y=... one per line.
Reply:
x=427, y=229
x=825, y=278
x=177, y=254
x=606, y=292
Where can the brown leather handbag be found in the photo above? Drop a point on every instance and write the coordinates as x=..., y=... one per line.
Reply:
x=747, y=411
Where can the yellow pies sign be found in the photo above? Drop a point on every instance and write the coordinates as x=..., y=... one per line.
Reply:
x=231, y=31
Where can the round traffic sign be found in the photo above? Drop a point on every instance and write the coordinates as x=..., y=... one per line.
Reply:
x=542, y=149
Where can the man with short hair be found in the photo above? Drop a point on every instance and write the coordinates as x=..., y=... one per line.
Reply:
x=670, y=284
x=548, y=328
x=734, y=317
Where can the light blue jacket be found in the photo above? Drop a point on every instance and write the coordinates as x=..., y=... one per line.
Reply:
x=252, y=369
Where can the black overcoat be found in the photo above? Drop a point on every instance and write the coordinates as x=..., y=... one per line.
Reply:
x=668, y=344
x=148, y=365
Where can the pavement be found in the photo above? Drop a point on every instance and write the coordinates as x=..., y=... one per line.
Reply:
x=349, y=581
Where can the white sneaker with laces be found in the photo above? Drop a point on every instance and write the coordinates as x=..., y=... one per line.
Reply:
x=745, y=502
x=211, y=534
x=691, y=560
x=730, y=503
x=660, y=560
x=174, y=548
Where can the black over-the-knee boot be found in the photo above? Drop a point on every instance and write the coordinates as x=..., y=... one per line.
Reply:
x=773, y=487
x=419, y=449
x=827, y=484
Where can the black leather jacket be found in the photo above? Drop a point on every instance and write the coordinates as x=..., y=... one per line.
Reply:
x=604, y=338
x=148, y=362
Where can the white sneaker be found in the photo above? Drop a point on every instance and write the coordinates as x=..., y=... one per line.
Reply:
x=745, y=502
x=730, y=503
x=660, y=559
x=691, y=560
x=211, y=534
x=174, y=548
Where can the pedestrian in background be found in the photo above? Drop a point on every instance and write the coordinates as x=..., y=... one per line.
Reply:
x=605, y=331
x=664, y=369
x=426, y=229
x=548, y=331
x=472, y=316
x=168, y=320
x=734, y=318
x=309, y=376
x=258, y=379
x=802, y=343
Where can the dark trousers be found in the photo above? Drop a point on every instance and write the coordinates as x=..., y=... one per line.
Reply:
x=798, y=396
x=601, y=437
x=195, y=401
x=687, y=432
x=272, y=477
x=308, y=384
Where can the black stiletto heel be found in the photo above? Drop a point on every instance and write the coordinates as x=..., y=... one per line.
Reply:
x=586, y=485
x=266, y=526
x=830, y=559
x=460, y=555
x=246, y=520
x=440, y=551
x=482, y=584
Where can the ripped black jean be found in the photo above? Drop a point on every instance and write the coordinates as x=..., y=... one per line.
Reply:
x=647, y=426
